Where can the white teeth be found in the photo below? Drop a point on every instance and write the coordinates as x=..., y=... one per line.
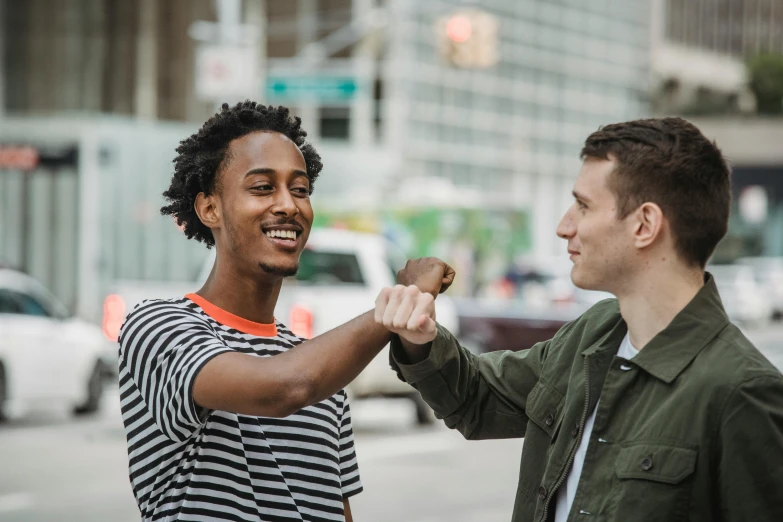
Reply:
x=283, y=234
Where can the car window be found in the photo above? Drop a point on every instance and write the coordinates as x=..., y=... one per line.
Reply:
x=28, y=305
x=8, y=303
x=327, y=268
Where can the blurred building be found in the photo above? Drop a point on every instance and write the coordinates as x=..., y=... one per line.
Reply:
x=503, y=129
x=438, y=104
x=699, y=49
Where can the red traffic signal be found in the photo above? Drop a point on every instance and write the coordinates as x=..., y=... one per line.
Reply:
x=458, y=28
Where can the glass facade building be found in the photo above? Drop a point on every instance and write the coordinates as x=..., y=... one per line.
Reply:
x=512, y=133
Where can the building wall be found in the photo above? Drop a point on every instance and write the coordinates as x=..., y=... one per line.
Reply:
x=700, y=48
x=735, y=27
x=98, y=56
x=513, y=132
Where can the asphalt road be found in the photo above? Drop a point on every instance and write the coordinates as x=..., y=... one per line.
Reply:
x=56, y=468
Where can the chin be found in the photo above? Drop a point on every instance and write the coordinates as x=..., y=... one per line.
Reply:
x=582, y=282
x=282, y=270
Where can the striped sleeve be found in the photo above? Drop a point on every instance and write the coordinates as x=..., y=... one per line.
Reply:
x=163, y=346
x=350, y=482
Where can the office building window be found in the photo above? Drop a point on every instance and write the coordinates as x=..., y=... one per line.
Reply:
x=335, y=122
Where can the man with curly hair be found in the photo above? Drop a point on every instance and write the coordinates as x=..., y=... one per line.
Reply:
x=228, y=414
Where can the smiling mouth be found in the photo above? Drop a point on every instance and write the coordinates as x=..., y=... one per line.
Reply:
x=286, y=238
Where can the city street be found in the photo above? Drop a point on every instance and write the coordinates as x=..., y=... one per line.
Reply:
x=56, y=468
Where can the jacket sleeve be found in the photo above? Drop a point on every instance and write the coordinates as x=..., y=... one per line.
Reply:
x=482, y=396
x=750, y=476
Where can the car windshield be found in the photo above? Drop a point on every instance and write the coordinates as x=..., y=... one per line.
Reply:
x=329, y=268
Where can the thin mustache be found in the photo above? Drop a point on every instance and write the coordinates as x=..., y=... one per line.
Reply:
x=291, y=222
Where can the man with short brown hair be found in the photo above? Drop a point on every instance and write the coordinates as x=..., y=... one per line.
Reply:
x=651, y=406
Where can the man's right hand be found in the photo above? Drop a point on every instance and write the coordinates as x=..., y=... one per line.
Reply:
x=408, y=312
x=429, y=274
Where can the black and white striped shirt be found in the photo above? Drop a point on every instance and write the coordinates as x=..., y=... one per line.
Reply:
x=190, y=464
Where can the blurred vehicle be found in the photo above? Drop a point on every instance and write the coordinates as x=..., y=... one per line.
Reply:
x=488, y=325
x=536, y=299
x=545, y=283
x=47, y=358
x=743, y=297
x=340, y=275
x=769, y=274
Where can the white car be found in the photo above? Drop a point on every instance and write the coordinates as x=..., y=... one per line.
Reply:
x=769, y=274
x=46, y=357
x=744, y=299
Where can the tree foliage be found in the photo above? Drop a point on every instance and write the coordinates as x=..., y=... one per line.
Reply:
x=766, y=82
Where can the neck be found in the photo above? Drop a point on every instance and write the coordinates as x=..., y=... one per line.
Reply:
x=651, y=302
x=243, y=294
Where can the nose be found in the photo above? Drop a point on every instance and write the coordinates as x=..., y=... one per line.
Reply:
x=566, y=228
x=284, y=203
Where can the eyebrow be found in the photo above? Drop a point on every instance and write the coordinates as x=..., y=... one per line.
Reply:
x=266, y=170
x=581, y=197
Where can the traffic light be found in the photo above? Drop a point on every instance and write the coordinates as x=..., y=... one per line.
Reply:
x=468, y=38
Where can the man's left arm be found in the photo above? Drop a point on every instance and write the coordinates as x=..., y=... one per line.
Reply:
x=750, y=472
x=347, y=510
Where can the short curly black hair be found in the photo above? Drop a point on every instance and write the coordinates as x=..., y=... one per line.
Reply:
x=200, y=158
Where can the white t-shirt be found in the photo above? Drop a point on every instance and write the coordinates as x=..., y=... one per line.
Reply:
x=567, y=492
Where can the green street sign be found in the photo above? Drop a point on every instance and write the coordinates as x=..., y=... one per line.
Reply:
x=311, y=88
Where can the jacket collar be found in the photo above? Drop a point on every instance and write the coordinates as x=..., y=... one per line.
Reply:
x=673, y=349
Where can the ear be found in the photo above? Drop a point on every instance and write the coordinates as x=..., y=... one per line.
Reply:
x=208, y=210
x=648, y=224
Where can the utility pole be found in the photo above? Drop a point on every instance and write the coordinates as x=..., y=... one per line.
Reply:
x=307, y=33
x=362, y=127
x=2, y=58
x=146, y=91
x=255, y=14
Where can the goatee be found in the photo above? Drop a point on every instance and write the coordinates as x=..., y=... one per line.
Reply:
x=282, y=271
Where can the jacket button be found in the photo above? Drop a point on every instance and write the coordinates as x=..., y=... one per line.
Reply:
x=647, y=463
x=550, y=419
x=542, y=493
x=575, y=431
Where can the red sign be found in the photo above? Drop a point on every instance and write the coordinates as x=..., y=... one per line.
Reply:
x=18, y=157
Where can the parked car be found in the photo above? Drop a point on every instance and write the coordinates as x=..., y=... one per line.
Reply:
x=544, y=283
x=769, y=274
x=340, y=275
x=488, y=325
x=47, y=357
x=744, y=299
x=538, y=298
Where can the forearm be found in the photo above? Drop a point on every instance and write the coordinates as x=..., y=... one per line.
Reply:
x=481, y=397
x=327, y=363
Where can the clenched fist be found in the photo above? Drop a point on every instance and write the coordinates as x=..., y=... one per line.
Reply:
x=408, y=312
x=430, y=274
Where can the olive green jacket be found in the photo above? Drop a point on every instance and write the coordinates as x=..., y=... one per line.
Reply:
x=690, y=429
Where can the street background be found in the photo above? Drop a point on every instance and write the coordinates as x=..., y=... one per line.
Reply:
x=57, y=469
x=447, y=128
